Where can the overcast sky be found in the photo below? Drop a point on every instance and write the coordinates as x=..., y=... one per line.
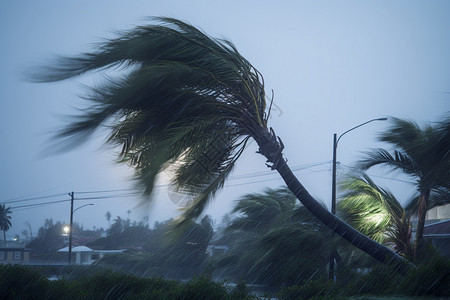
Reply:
x=332, y=65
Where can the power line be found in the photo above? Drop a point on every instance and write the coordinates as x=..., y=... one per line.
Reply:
x=101, y=197
x=38, y=204
x=108, y=197
x=34, y=198
x=104, y=191
x=378, y=176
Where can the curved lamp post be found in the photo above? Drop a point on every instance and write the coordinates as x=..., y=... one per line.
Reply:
x=333, y=186
x=71, y=223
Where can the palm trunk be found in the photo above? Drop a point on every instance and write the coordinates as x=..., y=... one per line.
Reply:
x=422, y=213
x=271, y=149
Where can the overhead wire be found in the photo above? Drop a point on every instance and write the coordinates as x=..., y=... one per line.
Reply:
x=31, y=199
x=377, y=176
x=100, y=197
x=20, y=207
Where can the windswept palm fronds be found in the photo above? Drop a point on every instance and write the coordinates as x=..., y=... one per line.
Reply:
x=186, y=98
x=423, y=154
x=375, y=212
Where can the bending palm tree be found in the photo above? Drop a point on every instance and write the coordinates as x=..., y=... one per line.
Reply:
x=191, y=102
x=5, y=220
x=424, y=154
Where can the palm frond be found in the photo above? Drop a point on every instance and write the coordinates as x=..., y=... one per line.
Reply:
x=260, y=211
x=382, y=157
x=367, y=207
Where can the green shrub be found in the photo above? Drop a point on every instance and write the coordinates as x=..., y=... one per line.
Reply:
x=315, y=289
x=18, y=282
x=432, y=278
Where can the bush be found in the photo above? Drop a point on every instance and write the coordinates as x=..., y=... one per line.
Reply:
x=316, y=289
x=431, y=278
x=19, y=282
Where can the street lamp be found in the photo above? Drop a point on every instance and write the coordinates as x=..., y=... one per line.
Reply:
x=333, y=186
x=71, y=223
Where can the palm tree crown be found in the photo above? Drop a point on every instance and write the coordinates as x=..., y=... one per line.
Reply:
x=5, y=220
x=375, y=212
x=187, y=100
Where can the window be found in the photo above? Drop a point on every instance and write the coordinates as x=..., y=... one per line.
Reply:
x=2, y=255
x=17, y=255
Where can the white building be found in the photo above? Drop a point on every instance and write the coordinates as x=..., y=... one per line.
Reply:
x=87, y=256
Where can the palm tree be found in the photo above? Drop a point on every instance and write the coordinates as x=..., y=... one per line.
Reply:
x=260, y=212
x=375, y=212
x=190, y=102
x=274, y=240
x=108, y=217
x=422, y=154
x=5, y=220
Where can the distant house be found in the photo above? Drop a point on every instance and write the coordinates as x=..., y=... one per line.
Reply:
x=439, y=235
x=212, y=250
x=14, y=253
x=87, y=256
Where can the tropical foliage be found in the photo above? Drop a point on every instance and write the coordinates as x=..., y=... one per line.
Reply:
x=189, y=102
x=19, y=282
x=159, y=251
x=275, y=241
x=5, y=220
x=375, y=212
x=423, y=154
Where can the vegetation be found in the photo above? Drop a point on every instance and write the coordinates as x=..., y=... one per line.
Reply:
x=50, y=239
x=430, y=279
x=5, y=220
x=422, y=154
x=161, y=252
x=190, y=103
x=274, y=241
x=18, y=282
x=375, y=212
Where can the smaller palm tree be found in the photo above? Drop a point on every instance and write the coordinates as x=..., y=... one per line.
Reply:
x=375, y=212
x=274, y=240
x=423, y=154
x=5, y=220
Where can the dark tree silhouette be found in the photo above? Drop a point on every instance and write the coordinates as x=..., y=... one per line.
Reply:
x=5, y=220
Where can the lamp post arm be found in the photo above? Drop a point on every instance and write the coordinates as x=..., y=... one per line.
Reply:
x=357, y=126
x=82, y=206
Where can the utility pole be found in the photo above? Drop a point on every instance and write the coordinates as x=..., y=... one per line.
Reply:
x=333, y=188
x=333, y=206
x=70, y=228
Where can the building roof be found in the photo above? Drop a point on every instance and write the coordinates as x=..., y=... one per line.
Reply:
x=437, y=229
x=87, y=249
x=76, y=249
